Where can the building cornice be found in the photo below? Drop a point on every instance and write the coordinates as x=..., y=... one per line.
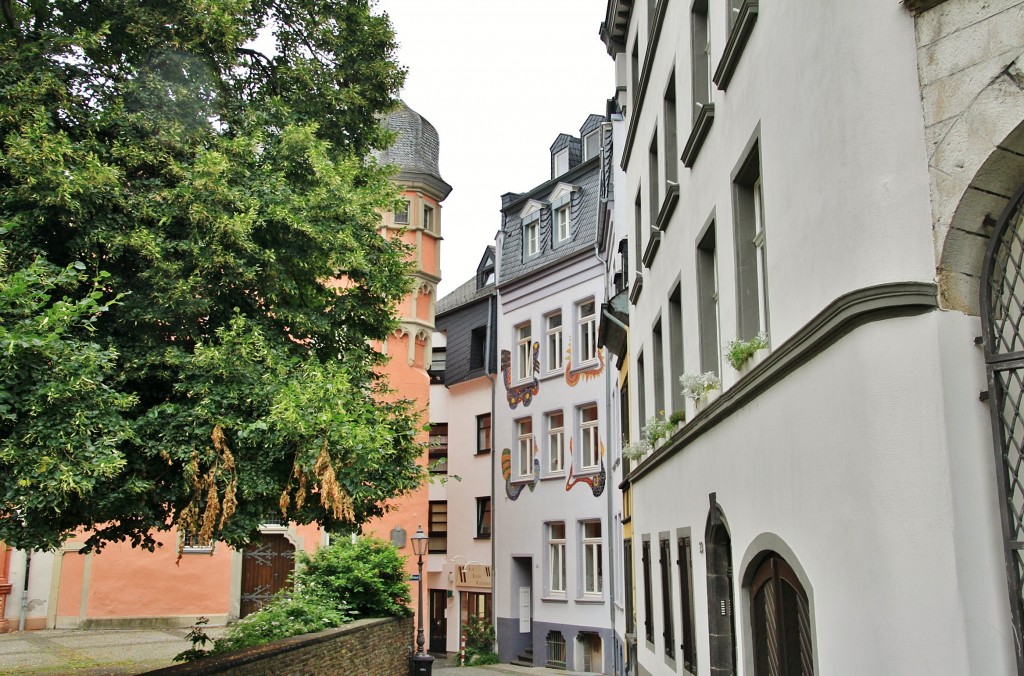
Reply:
x=846, y=313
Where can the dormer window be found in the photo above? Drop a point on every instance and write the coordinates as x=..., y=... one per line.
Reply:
x=591, y=145
x=530, y=216
x=531, y=237
x=562, y=229
x=561, y=161
x=561, y=213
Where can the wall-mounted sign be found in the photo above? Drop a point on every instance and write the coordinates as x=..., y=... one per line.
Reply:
x=474, y=575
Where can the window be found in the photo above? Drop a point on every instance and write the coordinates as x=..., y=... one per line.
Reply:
x=667, y=607
x=653, y=181
x=428, y=218
x=593, y=574
x=721, y=622
x=524, y=352
x=591, y=144
x=638, y=221
x=402, y=215
x=554, y=342
x=438, y=445
x=780, y=621
x=562, y=225
x=555, y=424
x=627, y=573
x=556, y=650
x=556, y=558
x=589, y=442
x=689, y=628
x=645, y=563
x=477, y=347
x=634, y=75
x=192, y=543
x=751, y=256
x=707, y=309
x=658, y=346
x=483, y=433
x=475, y=604
x=531, y=238
x=483, y=517
x=561, y=162
x=586, y=318
x=641, y=390
x=524, y=449
x=437, y=528
x=700, y=56
x=675, y=346
x=437, y=364
x=671, y=142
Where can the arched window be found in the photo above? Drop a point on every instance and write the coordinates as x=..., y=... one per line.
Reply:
x=721, y=625
x=780, y=621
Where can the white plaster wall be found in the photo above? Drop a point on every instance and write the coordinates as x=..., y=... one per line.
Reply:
x=39, y=578
x=831, y=89
x=848, y=463
x=519, y=524
x=460, y=405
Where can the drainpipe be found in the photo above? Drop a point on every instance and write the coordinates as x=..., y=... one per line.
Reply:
x=24, y=592
x=492, y=314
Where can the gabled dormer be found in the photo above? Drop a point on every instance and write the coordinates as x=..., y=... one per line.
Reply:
x=565, y=154
x=590, y=133
x=530, y=216
x=485, y=269
x=562, y=226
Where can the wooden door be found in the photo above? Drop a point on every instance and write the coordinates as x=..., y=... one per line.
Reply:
x=267, y=564
x=438, y=621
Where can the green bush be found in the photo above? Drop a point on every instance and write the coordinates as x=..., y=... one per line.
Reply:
x=479, y=635
x=301, y=611
x=365, y=578
x=368, y=575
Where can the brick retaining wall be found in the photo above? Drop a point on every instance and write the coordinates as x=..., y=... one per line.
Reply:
x=376, y=647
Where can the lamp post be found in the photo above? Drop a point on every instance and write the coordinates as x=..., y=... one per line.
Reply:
x=422, y=663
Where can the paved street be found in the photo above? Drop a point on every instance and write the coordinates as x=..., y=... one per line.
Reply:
x=102, y=652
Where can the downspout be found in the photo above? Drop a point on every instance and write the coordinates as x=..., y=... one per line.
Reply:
x=24, y=592
x=492, y=377
x=609, y=503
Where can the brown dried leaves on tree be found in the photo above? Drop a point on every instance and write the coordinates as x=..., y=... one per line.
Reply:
x=332, y=496
x=205, y=487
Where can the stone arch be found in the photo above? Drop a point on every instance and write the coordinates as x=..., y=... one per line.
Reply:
x=976, y=164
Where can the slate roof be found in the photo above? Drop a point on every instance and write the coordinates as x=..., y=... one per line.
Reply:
x=467, y=292
x=584, y=210
x=417, y=147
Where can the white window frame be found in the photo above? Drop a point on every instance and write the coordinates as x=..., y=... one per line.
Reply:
x=524, y=448
x=531, y=238
x=555, y=441
x=524, y=352
x=761, y=256
x=586, y=330
x=590, y=448
x=556, y=557
x=553, y=342
x=561, y=161
x=563, y=223
x=597, y=147
x=592, y=545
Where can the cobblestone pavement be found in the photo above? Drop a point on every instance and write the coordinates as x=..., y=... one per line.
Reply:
x=117, y=652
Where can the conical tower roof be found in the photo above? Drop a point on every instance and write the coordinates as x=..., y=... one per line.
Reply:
x=415, y=150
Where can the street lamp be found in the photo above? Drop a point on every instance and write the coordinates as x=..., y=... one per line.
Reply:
x=422, y=663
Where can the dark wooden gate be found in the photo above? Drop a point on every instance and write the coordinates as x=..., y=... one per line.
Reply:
x=438, y=622
x=266, y=566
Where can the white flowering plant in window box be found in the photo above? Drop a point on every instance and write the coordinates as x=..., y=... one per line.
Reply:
x=697, y=386
x=656, y=428
x=739, y=352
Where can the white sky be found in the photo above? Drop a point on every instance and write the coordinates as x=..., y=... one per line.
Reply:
x=499, y=80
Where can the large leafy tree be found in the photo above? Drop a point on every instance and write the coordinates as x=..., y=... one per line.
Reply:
x=191, y=268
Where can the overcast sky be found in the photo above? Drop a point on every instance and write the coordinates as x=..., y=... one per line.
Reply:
x=499, y=81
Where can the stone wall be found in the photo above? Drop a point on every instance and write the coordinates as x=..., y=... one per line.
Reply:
x=971, y=69
x=379, y=647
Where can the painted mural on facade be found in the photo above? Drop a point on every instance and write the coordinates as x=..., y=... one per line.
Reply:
x=595, y=481
x=524, y=393
x=513, y=490
x=572, y=378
